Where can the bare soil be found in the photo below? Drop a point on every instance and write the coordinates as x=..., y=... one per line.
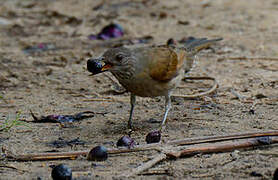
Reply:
x=55, y=81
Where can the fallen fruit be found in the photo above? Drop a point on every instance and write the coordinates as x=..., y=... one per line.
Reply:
x=61, y=172
x=153, y=137
x=108, y=32
x=126, y=141
x=98, y=153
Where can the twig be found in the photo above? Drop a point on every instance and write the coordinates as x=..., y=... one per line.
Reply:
x=220, y=147
x=240, y=97
x=156, y=172
x=210, y=139
x=106, y=100
x=249, y=58
x=158, y=158
x=12, y=167
x=212, y=89
x=73, y=155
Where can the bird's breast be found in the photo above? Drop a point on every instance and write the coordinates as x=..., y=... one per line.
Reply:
x=144, y=86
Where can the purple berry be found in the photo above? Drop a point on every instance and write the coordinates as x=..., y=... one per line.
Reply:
x=126, y=141
x=153, y=137
x=98, y=153
x=61, y=172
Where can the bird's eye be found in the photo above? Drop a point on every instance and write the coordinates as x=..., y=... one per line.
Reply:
x=119, y=57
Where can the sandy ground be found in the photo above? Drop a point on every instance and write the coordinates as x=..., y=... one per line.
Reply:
x=57, y=82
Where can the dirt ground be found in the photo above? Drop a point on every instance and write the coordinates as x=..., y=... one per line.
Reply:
x=55, y=81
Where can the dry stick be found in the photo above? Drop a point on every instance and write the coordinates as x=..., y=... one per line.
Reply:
x=196, y=149
x=160, y=157
x=240, y=97
x=212, y=89
x=12, y=167
x=108, y=99
x=208, y=139
x=72, y=155
x=148, y=147
x=250, y=58
x=220, y=147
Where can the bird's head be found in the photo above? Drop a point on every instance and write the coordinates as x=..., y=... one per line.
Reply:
x=116, y=60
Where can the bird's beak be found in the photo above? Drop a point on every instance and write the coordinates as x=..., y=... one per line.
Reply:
x=105, y=67
x=96, y=66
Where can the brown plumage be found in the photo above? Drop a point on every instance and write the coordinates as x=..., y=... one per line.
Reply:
x=151, y=71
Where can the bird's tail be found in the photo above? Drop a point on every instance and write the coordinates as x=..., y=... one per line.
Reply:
x=197, y=44
x=192, y=46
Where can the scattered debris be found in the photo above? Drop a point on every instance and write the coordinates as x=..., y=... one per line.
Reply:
x=39, y=48
x=260, y=96
x=60, y=143
x=61, y=172
x=108, y=32
x=98, y=153
x=62, y=118
x=153, y=121
x=256, y=174
x=183, y=22
x=251, y=111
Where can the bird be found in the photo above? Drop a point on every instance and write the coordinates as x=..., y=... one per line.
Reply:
x=151, y=70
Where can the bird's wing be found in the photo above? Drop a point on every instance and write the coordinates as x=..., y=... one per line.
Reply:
x=165, y=62
x=194, y=45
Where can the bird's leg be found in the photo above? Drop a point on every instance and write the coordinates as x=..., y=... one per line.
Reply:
x=167, y=108
x=132, y=103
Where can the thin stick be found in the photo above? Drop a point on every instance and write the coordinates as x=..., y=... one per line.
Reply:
x=74, y=154
x=209, y=139
x=240, y=97
x=158, y=158
x=220, y=147
x=212, y=89
x=249, y=58
x=12, y=167
x=107, y=99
